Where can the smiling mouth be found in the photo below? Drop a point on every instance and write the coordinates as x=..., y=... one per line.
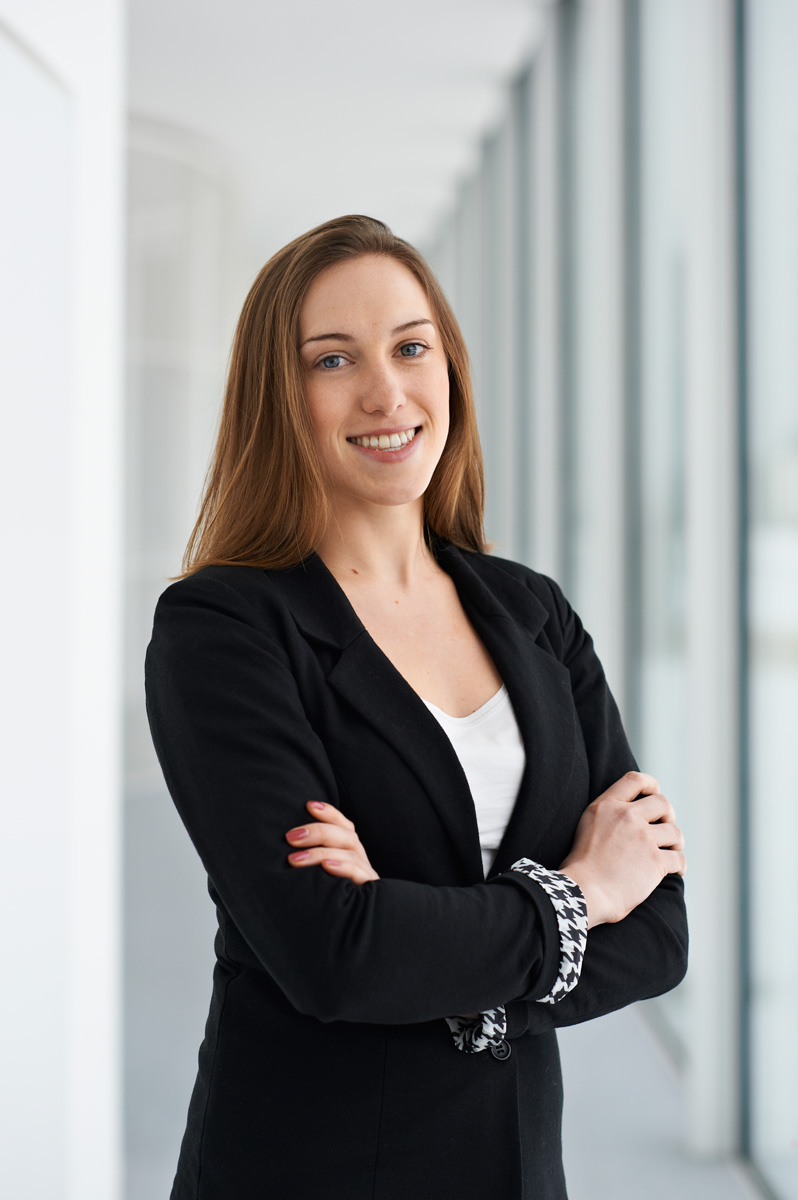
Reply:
x=385, y=441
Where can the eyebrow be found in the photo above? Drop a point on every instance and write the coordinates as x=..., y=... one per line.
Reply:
x=347, y=337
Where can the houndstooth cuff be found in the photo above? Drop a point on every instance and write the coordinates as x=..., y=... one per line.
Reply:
x=571, y=910
x=487, y=1029
x=472, y=1034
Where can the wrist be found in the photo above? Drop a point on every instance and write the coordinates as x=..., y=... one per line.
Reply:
x=598, y=910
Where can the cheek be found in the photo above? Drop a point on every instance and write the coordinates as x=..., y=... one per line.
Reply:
x=443, y=410
x=312, y=405
x=322, y=413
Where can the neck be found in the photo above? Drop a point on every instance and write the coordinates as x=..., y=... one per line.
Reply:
x=383, y=544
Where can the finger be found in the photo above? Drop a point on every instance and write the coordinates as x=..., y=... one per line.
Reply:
x=667, y=808
x=329, y=813
x=316, y=834
x=344, y=863
x=346, y=870
x=631, y=785
x=656, y=808
x=314, y=856
x=669, y=836
x=676, y=862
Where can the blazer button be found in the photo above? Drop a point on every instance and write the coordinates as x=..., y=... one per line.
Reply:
x=503, y=1050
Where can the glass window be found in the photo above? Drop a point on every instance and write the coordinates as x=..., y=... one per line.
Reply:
x=772, y=189
x=664, y=265
x=593, y=332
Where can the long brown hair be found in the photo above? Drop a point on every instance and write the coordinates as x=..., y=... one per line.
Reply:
x=265, y=503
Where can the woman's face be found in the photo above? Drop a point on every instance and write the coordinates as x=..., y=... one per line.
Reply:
x=375, y=371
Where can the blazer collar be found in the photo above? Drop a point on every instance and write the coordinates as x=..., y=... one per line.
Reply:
x=321, y=609
x=508, y=617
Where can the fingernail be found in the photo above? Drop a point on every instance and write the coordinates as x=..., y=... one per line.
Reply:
x=300, y=854
x=316, y=804
x=296, y=834
x=332, y=862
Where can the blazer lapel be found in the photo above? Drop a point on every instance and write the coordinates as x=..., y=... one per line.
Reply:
x=507, y=616
x=368, y=681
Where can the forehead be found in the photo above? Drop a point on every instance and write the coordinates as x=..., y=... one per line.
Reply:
x=367, y=293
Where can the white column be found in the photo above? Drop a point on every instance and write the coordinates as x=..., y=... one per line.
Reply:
x=545, y=450
x=60, y=295
x=498, y=410
x=442, y=257
x=597, y=340
x=470, y=279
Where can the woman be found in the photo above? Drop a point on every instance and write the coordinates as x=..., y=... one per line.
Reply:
x=400, y=764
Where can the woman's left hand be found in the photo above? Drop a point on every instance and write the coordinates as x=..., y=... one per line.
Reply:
x=331, y=831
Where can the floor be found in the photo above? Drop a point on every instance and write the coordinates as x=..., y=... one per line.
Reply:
x=623, y=1119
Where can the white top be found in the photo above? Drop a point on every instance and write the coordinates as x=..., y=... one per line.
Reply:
x=491, y=752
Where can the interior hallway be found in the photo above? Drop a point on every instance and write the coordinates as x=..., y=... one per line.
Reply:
x=623, y=1136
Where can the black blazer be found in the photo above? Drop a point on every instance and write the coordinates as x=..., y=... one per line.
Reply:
x=326, y=1067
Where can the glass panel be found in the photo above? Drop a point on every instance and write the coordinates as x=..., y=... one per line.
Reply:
x=664, y=217
x=593, y=328
x=772, y=36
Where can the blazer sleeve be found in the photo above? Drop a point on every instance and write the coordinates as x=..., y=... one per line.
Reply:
x=241, y=759
x=645, y=954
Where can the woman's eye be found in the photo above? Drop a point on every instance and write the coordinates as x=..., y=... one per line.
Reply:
x=331, y=362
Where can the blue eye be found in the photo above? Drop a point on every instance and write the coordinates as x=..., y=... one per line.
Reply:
x=330, y=358
x=417, y=349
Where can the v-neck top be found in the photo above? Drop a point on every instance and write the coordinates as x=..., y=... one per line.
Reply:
x=489, y=746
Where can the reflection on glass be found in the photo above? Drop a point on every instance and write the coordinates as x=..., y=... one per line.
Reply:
x=772, y=184
x=665, y=123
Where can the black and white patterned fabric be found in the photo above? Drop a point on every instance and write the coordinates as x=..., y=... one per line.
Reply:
x=489, y=1028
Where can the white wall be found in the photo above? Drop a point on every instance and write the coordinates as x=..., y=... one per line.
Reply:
x=61, y=99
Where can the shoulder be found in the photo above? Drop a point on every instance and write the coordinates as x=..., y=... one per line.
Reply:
x=237, y=590
x=502, y=587
x=279, y=603
x=560, y=630
x=542, y=586
x=515, y=581
x=248, y=583
x=221, y=599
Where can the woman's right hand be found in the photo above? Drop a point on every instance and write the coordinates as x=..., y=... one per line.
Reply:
x=331, y=831
x=624, y=847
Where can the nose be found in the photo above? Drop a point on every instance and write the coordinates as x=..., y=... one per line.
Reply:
x=382, y=391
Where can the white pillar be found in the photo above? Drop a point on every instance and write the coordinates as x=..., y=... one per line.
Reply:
x=62, y=99
x=499, y=427
x=545, y=450
x=595, y=343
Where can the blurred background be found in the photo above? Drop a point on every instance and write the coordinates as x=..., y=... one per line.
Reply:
x=608, y=190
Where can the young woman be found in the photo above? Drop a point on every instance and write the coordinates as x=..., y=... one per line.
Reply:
x=401, y=766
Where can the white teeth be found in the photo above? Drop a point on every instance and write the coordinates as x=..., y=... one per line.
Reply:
x=385, y=441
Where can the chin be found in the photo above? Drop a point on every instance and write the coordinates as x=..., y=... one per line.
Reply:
x=396, y=499
x=393, y=497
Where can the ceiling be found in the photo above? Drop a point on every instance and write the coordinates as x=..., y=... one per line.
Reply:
x=321, y=109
